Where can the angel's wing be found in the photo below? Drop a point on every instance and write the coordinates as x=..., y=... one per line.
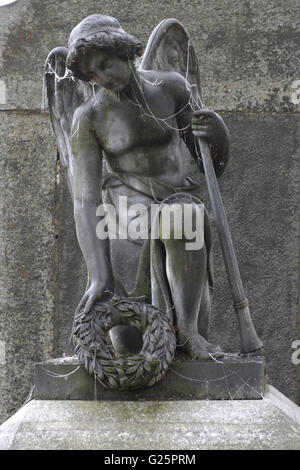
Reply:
x=64, y=94
x=170, y=49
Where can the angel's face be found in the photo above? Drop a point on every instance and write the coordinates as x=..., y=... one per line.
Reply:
x=107, y=70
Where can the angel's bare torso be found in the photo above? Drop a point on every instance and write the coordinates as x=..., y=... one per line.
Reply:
x=139, y=133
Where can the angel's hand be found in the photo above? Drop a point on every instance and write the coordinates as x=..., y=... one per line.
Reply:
x=209, y=125
x=95, y=293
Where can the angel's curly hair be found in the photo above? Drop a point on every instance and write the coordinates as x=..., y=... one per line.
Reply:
x=99, y=32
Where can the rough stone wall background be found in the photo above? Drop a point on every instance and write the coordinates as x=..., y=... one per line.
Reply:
x=249, y=54
x=27, y=252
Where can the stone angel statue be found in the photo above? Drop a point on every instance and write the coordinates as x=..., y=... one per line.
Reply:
x=124, y=127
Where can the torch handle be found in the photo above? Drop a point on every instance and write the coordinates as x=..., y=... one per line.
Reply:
x=249, y=338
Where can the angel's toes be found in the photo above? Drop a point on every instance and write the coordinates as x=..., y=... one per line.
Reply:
x=214, y=348
x=196, y=349
x=217, y=355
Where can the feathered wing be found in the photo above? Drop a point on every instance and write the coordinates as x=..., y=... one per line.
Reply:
x=64, y=94
x=170, y=49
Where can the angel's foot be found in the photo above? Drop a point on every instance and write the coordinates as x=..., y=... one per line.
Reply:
x=198, y=348
x=214, y=348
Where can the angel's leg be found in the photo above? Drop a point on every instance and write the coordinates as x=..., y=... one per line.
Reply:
x=186, y=272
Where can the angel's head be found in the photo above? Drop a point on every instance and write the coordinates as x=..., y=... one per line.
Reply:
x=101, y=51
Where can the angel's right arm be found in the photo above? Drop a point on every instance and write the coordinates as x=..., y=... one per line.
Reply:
x=87, y=197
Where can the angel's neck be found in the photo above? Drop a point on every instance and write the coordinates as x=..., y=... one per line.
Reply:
x=134, y=90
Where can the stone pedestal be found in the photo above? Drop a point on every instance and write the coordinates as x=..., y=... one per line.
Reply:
x=233, y=378
x=199, y=405
x=270, y=423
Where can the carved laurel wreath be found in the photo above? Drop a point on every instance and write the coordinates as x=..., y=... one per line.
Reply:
x=96, y=352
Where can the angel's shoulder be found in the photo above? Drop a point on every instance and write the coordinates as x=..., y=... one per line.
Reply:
x=83, y=116
x=170, y=81
x=167, y=78
x=176, y=82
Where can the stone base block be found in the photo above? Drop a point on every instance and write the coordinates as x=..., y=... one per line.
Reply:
x=234, y=378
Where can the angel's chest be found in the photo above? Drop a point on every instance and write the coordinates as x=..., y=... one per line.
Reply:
x=128, y=127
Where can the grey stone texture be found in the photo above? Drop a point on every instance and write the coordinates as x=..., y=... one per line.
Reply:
x=233, y=378
x=248, y=50
x=27, y=251
x=249, y=55
x=268, y=424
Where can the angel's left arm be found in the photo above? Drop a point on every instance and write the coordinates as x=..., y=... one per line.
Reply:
x=202, y=123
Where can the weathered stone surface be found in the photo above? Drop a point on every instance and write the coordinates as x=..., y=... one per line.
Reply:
x=72, y=273
x=245, y=48
x=27, y=249
x=234, y=378
x=169, y=425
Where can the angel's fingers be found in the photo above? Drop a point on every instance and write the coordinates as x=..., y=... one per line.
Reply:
x=204, y=112
x=199, y=117
x=200, y=134
x=200, y=122
x=82, y=303
x=206, y=129
x=199, y=128
x=89, y=304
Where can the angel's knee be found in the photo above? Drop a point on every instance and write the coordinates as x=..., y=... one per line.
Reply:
x=183, y=221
